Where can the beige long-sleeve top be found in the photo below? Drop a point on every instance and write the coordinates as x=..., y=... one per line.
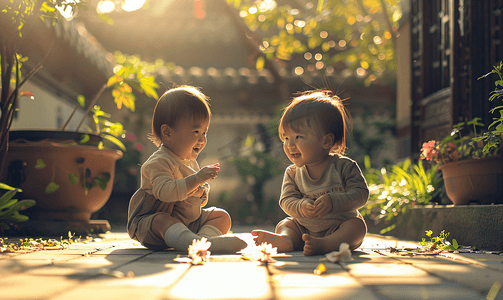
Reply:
x=342, y=179
x=163, y=176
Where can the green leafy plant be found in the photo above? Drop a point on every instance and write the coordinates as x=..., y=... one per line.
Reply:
x=495, y=129
x=481, y=143
x=131, y=74
x=31, y=244
x=397, y=188
x=439, y=242
x=10, y=208
x=15, y=15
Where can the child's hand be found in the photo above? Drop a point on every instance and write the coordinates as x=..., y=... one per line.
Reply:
x=322, y=206
x=307, y=208
x=208, y=173
x=197, y=192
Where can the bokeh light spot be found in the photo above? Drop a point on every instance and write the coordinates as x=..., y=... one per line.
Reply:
x=105, y=7
x=299, y=71
x=300, y=23
x=132, y=5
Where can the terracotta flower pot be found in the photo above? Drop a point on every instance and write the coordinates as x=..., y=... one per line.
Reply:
x=67, y=181
x=478, y=180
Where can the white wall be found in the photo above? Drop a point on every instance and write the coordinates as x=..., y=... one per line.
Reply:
x=46, y=111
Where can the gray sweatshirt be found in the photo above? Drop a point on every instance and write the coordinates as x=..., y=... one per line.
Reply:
x=342, y=179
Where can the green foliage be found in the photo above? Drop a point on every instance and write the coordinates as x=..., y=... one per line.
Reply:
x=260, y=166
x=492, y=138
x=131, y=71
x=357, y=34
x=371, y=131
x=10, y=208
x=31, y=244
x=51, y=187
x=397, y=188
x=130, y=74
x=255, y=168
x=101, y=180
x=110, y=131
x=439, y=242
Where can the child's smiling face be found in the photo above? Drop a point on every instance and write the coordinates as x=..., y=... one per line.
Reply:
x=304, y=146
x=187, y=138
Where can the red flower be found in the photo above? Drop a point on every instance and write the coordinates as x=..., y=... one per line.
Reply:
x=138, y=147
x=429, y=151
x=130, y=137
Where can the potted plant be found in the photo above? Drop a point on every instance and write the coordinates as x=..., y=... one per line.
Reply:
x=68, y=174
x=472, y=166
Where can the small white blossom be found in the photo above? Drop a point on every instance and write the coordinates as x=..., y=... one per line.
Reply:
x=344, y=254
x=265, y=252
x=198, y=251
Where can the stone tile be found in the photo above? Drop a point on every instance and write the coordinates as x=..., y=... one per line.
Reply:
x=473, y=276
x=324, y=293
x=442, y=291
x=57, y=253
x=386, y=274
x=151, y=283
x=424, y=259
x=310, y=286
x=102, y=260
x=28, y=287
x=149, y=271
x=9, y=255
x=83, y=266
x=280, y=267
x=124, y=251
x=491, y=261
x=23, y=266
x=297, y=256
x=370, y=257
x=83, y=247
x=45, y=255
x=379, y=242
x=96, y=291
x=223, y=281
x=170, y=255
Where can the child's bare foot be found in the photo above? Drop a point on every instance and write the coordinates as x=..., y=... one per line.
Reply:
x=226, y=244
x=313, y=245
x=281, y=242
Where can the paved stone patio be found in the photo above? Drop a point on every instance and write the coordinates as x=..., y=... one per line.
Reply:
x=118, y=268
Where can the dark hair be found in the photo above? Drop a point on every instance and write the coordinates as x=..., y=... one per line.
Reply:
x=180, y=102
x=322, y=112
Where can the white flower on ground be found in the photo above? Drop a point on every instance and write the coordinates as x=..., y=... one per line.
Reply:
x=198, y=251
x=344, y=254
x=265, y=252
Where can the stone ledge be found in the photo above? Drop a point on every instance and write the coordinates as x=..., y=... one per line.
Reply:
x=480, y=226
